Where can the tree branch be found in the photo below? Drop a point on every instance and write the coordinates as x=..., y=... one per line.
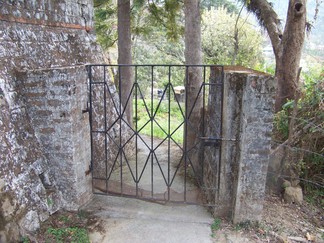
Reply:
x=268, y=18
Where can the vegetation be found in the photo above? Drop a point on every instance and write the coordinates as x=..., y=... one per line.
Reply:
x=106, y=23
x=306, y=128
x=286, y=49
x=226, y=4
x=146, y=17
x=157, y=33
x=69, y=234
x=162, y=112
x=64, y=226
x=218, y=40
x=216, y=224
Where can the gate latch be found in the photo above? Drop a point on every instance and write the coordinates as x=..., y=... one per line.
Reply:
x=211, y=141
x=214, y=141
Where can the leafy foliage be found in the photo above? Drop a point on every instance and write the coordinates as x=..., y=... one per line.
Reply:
x=168, y=15
x=65, y=226
x=106, y=22
x=308, y=132
x=144, y=17
x=157, y=28
x=218, y=39
x=70, y=234
x=228, y=5
x=217, y=43
x=216, y=224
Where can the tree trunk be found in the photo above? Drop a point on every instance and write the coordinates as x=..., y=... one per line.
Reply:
x=125, y=57
x=193, y=55
x=288, y=63
x=287, y=46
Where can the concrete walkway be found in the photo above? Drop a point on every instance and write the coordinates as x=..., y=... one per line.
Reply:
x=131, y=220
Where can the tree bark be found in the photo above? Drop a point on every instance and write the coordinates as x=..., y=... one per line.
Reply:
x=125, y=57
x=287, y=45
x=292, y=44
x=193, y=56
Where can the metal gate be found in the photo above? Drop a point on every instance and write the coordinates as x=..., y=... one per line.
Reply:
x=158, y=153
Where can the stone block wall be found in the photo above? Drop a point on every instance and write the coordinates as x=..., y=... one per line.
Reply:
x=236, y=169
x=56, y=13
x=28, y=192
x=54, y=100
x=44, y=47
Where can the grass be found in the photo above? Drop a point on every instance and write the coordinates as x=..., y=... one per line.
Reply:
x=25, y=240
x=67, y=234
x=162, y=113
x=216, y=224
x=64, y=227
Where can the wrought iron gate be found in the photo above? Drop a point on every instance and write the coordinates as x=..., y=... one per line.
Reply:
x=157, y=153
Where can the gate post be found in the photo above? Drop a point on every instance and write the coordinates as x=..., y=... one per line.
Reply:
x=247, y=116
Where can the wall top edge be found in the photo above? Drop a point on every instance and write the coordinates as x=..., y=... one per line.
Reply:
x=244, y=70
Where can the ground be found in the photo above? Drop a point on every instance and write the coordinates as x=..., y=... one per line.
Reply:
x=65, y=226
x=281, y=223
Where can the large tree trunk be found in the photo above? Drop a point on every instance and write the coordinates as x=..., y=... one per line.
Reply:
x=287, y=46
x=193, y=55
x=292, y=44
x=125, y=57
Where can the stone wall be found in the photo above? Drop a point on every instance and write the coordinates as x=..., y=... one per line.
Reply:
x=44, y=46
x=77, y=14
x=54, y=100
x=236, y=168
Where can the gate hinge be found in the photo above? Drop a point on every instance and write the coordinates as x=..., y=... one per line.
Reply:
x=87, y=109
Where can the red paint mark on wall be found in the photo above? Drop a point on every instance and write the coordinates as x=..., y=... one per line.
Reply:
x=10, y=18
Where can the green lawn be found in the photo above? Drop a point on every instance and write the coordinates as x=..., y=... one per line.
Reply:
x=164, y=112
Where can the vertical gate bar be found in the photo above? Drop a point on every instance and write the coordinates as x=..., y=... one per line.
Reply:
x=221, y=127
x=90, y=121
x=185, y=134
x=120, y=132
x=151, y=115
x=136, y=134
x=203, y=123
x=169, y=129
x=105, y=126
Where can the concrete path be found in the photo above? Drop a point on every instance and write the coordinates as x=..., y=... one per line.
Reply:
x=131, y=220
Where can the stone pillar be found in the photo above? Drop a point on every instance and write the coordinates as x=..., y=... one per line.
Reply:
x=241, y=165
x=255, y=142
